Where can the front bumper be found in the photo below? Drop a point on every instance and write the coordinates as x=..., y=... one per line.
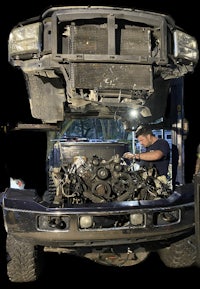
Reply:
x=114, y=223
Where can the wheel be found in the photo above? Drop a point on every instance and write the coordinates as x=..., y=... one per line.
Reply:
x=180, y=254
x=3, y=247
x=24, y=260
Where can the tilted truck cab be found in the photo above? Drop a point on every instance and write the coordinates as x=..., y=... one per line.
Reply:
x=93, y=74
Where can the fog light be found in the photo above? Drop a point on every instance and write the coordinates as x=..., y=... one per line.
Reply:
x=137, y=219
x=85, y=222
x=171, y=217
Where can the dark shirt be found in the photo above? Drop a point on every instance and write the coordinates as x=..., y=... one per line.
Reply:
x=163, y=163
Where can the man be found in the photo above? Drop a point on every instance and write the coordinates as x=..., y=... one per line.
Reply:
x=197, y=165
x=157, y=151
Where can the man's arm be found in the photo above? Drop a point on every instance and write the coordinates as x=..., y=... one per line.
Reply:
x=145, y=156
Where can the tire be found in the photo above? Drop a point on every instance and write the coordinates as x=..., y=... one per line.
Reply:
x=3, y=248
x=24, y=260
x=181, y=254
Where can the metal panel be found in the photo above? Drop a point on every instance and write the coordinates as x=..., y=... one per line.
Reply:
x=88, y=150
x=112, y=76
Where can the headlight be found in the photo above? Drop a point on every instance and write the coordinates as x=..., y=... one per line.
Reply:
x=137, y=219
x=25, y=39
x=85, y=222
x=185, y=46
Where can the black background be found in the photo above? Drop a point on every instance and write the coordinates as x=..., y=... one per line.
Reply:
x=15, y=160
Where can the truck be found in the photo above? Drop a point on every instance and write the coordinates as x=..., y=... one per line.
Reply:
x=93, y=75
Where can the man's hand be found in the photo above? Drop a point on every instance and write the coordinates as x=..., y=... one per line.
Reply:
x=128, y=155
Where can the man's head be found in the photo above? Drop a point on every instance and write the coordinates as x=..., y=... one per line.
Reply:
x=144, y=135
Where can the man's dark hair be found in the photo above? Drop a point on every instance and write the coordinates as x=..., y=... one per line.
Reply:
x=143, y=130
